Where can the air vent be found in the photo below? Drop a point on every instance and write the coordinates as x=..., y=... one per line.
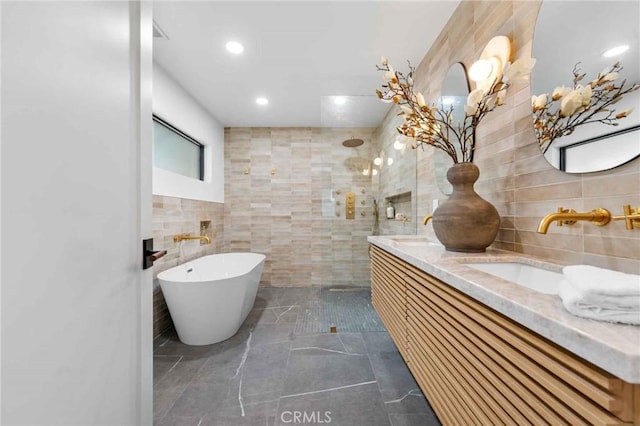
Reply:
x=158, y=32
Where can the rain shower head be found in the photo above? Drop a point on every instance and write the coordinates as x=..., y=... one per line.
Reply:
x=352, y=143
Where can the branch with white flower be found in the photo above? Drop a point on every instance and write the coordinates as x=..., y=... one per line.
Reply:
x=559, y=114
x=430, y=125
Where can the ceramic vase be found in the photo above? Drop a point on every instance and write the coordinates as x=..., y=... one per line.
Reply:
x=465, y=222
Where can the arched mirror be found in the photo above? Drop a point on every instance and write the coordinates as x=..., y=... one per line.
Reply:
x=584, y=31
x=455, y=90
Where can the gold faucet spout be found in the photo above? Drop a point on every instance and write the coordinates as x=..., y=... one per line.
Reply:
x=599, y=217
x=181, y=237
x=426, y=219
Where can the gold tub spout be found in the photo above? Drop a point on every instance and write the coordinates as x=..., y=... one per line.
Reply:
x=599, y=217
x=180, y=237
x=426, y=219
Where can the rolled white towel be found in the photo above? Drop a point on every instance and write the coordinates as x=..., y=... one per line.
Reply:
x=598, y=308
x=602, y=281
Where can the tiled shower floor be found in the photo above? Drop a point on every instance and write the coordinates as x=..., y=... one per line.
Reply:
x=272, y=372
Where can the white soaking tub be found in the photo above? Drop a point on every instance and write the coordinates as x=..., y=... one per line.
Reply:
x=209, y=298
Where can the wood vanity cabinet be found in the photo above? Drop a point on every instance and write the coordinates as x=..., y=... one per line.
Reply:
x=477, y=366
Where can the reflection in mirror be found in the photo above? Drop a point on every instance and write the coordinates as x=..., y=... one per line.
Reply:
x=455, y=89
x=581, y=32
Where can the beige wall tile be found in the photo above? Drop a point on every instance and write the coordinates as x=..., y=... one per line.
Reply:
x=290, y=216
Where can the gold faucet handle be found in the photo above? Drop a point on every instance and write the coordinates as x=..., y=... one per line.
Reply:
x=426, y=219
x=631, y=217
x=565, y=222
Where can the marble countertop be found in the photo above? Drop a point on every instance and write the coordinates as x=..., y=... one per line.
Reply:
x=613, y=347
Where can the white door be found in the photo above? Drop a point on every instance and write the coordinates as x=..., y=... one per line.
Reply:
x=76, y=202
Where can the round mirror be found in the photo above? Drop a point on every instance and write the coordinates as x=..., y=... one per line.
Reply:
x=584, y=33
x=455, y=90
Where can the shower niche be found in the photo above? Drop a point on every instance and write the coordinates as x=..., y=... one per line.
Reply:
x=403, y=206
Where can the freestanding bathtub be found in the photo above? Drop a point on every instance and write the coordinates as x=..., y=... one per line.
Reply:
x=209, y=298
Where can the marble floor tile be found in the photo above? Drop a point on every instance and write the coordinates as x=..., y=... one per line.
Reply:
x=271, y=374
x=295, y=408
x=179, y=421
x=411, y=402
x=239, y=421
x=169, y=344
x=200, y=399
x=327, y=341
x=362, y=405
x=414, y=420
x=314, y=369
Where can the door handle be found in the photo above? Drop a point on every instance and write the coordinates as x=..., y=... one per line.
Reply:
x=149, y=255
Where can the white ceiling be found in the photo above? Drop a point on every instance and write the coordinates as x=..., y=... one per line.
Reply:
x=298, y=54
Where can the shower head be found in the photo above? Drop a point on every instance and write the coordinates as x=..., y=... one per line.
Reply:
x=352, y=143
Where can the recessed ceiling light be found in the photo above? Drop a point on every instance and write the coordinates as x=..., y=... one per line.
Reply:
x=615, y=51
x=377, y=161
x=389, y=161
x=339, y=100
x=234, y=47
x=398, y=145
x=262, y=101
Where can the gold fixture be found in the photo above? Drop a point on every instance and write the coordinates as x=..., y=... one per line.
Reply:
x=631, y=217
x=598, y=217
x=273, y=171
x=350, y=205
x=426, y=219
x=246, y=171
x=181, y=237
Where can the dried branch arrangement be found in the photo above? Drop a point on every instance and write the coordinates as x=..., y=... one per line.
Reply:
x=559, y=113
x=434, y=126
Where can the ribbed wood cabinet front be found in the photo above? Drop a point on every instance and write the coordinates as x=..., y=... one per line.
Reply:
x=478, y=367
x=389, y=295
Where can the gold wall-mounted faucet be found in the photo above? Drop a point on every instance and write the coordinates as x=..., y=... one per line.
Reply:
x=426, y=219
x=599, y=217
x=181, y=237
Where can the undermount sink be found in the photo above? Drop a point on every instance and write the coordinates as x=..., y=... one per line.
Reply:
x=533, y=277
x=413, y=241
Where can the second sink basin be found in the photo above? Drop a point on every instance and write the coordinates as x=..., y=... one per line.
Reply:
x=413, y=241
x=533, y=277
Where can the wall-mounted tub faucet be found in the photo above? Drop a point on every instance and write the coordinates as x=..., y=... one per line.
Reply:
x=180, y=237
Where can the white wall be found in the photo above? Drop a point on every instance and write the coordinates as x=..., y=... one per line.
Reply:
x=174, y=105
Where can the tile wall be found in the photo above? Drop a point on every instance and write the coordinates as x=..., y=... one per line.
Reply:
x=282, y=189
x=173, y=216
x=514, y=175
x=395, y=182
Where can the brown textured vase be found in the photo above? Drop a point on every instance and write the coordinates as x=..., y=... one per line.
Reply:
x=465, y=222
